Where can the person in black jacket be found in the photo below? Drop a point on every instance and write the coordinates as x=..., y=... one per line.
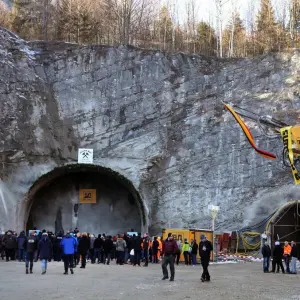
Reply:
x=45, y=250
x=10, y=245
x=21, y=240
x=108, y=248
x=205, y=248
x=77, y=254
x=277, y=258
x=266, y=253
x=137, y=246
x=194, y=252
x=31, y=245
x=98, y=246
x=294, y=257
x=146, y=250
x=83, y=249
x=155, y=246
x=57, y=251
x=1, y=245
x=126, y=239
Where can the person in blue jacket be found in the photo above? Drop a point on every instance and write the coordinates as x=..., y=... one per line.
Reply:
x=69, y=245
x=45, y=251
x=76, y=249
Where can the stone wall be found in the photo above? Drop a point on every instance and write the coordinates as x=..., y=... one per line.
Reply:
x=155, y=118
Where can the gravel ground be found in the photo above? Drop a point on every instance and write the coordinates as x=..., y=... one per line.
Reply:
x=229, y=281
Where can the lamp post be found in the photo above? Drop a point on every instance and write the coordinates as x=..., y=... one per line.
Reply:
x=213, y=210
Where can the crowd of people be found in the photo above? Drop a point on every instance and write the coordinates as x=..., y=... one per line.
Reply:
x=74, y=247
x=79, y=247
x=288, y=253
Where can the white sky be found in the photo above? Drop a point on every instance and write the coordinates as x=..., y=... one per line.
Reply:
x=207, y=9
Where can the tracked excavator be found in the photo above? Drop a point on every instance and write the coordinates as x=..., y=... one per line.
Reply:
x=272, y=128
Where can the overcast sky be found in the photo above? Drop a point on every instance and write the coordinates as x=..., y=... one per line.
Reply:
x=207, y=8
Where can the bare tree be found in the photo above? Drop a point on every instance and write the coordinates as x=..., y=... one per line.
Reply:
x=281, y=9
x=4, y=15
x=45, y=18
x=250, y=25
x=192, y=12
x=294, y=24
x=219, y=7
x=131, y=17
x=173, y=4
x=233, y=12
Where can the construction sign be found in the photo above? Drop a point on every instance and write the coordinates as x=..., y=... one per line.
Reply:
x=87, y=196
x=286, y=134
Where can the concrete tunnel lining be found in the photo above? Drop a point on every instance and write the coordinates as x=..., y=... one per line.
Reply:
x=61, y=171
x=285, y=224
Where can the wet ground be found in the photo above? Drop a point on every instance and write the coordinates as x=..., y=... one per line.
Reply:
x=229, y=281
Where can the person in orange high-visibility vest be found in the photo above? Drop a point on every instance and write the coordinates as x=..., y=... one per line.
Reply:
x=159, y=248
x=286, y=255
x=150, y=251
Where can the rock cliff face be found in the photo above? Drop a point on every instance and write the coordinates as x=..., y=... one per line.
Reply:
x=155, y=118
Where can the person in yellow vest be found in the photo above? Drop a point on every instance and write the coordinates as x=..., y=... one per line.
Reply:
x=286, y=255
x=186, y=252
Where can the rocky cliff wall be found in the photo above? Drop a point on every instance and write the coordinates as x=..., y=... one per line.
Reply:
x=155, y=118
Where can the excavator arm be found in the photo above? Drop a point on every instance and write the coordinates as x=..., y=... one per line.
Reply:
x=271, y=128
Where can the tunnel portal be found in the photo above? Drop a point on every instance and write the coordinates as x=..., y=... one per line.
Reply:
x=62, y=202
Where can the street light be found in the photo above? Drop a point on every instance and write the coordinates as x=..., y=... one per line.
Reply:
x=213, y=210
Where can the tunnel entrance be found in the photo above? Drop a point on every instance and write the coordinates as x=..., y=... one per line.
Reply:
x=285, y=224
x=55, y=203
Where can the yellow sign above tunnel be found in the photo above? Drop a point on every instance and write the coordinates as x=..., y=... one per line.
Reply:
x=87, y=196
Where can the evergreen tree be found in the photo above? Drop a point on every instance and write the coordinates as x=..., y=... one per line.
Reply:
x=64, y=21
x=165, y=27
x=20, y=18
x=30, y=19
x=206, y=39
x=234, y=37
x=266, y=31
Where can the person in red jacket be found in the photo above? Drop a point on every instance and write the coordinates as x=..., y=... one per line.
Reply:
x=169, y=249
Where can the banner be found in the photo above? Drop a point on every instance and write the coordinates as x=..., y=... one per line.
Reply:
x=87, y=196
x=286, y=134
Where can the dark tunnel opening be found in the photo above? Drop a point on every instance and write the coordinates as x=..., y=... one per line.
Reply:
x=55, y=203
x=285, y=225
